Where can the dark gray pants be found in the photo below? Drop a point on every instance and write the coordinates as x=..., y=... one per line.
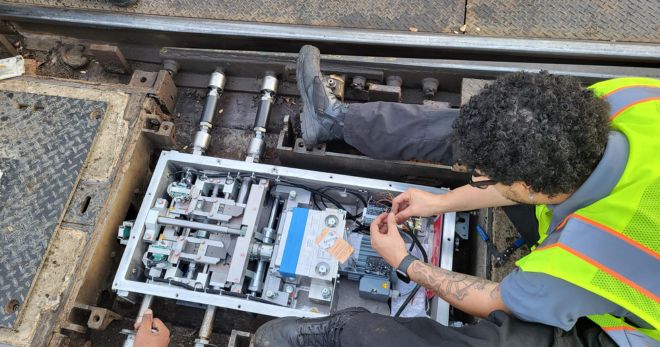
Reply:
x=396, y=131
x=498, y=329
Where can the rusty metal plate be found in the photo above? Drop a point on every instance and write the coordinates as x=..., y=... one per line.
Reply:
x=441, y=16
x=605, y=20
x=44, y=141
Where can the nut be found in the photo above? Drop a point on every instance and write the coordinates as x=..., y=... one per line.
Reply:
x=325, y=293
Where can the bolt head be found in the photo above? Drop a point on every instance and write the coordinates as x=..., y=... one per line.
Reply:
x=293, y=194
x=331, y=221
x=325, y=293
x=288, y=288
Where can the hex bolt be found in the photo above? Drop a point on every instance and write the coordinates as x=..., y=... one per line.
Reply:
x=430, y=86
x=332, y=83
x=270, y=294
x=288, y=288
x=293, y=195
x=359, y=82
x=325, y=293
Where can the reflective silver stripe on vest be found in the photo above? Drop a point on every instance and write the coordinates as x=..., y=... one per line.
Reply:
x=625, y=97
x=614, y=253
x=631, y=338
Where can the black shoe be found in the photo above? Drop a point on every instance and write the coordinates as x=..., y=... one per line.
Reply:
x=322, y=118
x=304, y=332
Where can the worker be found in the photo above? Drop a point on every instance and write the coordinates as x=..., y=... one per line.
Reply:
x=586, y=158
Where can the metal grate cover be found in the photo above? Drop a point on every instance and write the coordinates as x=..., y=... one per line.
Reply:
x=425, y=15
x=603, y=20
x=44, y=141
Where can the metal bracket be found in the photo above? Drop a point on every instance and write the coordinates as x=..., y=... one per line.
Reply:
x=463, y=225
x=239, y=338
x=161, y=87
x=110, y=57
x=99, y=318
x=159, y=132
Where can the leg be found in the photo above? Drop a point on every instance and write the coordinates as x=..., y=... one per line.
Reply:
x=358, y=327
x=393, y=131
x=381, y=130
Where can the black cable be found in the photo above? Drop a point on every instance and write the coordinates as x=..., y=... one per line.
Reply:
x=417, y=286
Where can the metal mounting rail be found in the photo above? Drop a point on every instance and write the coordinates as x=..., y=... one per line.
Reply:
x=595, y=50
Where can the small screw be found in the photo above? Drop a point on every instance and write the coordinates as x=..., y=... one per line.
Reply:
x=293, y=194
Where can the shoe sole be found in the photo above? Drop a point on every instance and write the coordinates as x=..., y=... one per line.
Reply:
x=308, y=126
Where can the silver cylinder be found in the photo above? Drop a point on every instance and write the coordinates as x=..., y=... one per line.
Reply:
x=257, y=283
x=207, y=324
x=201, y=142
x=217, y=80
x=269, y=83
x=256, y=147
x=144, y=306
x=261, y=251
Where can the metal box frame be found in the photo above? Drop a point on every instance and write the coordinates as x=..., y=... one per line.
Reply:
x=126, y=282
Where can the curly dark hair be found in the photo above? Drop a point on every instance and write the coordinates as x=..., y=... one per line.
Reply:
x=544, y=130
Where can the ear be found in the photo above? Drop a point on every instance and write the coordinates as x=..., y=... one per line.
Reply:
x=525, y=186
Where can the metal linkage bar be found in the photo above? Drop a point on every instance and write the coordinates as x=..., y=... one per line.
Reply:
x=202, y=137
x=199, y=226
x=257, y=144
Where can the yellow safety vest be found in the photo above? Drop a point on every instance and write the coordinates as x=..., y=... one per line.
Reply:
x=612, y=247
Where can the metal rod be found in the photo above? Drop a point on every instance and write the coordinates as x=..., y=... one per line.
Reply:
x=206, y=328
x=257, y=283
x=202, y=137
x=257, y=144
x=199, y=226
x=144, y=306
x=273, y=212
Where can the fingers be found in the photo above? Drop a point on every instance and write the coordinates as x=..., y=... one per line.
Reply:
x=377, y=225
x=391, y=220
x=404, y=215
x=160, y=326
x=145, y=321
x=399, y=201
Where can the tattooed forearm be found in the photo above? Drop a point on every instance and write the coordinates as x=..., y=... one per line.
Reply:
x=471, y=294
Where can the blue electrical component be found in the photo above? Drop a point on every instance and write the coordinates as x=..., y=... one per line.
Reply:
x=294, y=242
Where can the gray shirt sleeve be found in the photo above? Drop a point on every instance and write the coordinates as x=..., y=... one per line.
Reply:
x=541, y=298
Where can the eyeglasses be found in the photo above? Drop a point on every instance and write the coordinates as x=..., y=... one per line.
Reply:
x=480, y=184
